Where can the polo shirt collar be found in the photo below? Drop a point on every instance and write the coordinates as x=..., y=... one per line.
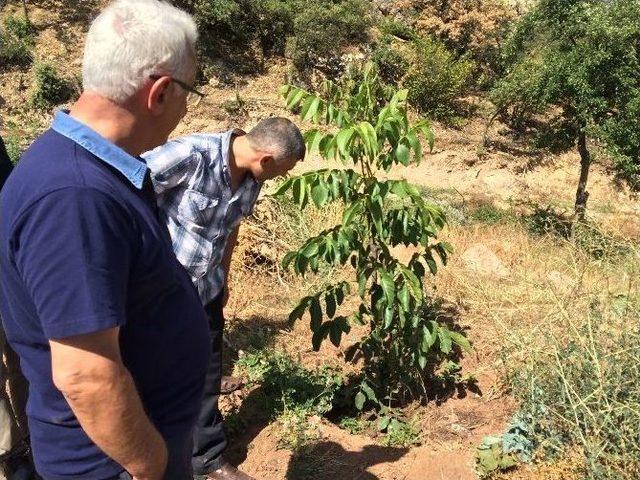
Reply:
x=132, y=168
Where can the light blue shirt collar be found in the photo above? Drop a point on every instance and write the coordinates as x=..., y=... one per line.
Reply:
x=132, y=168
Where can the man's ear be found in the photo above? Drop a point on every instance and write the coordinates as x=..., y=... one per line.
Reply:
x=158, y=92
x=265, y=159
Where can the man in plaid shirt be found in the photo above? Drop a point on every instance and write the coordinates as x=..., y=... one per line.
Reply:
x=206, y=184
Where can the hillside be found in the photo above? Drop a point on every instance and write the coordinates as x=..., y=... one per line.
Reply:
x=514, y=285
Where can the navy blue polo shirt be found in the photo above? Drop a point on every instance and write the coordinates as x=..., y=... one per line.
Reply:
x=82, y=250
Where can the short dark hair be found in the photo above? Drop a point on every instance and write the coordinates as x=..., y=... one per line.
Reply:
x=278, y=136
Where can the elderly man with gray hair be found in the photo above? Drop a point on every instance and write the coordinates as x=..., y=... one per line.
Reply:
x=110, y=331
x=206, y=184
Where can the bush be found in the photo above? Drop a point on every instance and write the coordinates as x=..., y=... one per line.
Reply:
x=436, y=78
x=325, y=27
x=392, y=63
x=16, y=43
x=583, y=390
x=240, y=31
x=473, y=27
x=50, y=89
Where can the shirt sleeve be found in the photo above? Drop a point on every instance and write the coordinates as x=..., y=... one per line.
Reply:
x=73, y=250
x=173, y=164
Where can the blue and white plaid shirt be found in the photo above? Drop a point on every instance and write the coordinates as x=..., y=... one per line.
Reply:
x=192, y=180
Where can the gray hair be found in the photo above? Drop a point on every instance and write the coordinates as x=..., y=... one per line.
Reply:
x=132, y=39
x=278, y=136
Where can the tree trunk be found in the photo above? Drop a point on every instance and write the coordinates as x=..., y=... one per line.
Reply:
x=582, y=195
x=26, y=12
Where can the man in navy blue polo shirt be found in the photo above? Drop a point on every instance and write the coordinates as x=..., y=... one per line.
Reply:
x=109, y=328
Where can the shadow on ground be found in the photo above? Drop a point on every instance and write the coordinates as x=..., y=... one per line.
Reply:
x=328, y=460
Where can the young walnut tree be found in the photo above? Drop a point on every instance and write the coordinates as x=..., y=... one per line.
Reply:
x=367, y=129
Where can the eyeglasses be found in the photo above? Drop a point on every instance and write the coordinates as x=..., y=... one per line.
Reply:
x=193, y=93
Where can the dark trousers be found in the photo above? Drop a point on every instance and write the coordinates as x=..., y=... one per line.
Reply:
x=179, y=462
x=209, y=440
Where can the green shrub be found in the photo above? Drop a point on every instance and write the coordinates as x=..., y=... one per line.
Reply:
x=323, y=28
x=392, y=63
x=234, y=29
x=50, y=89
x=436, y=78
x=16, y=43
x=389, y=26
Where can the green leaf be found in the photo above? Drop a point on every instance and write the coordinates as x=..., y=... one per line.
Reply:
x=388, y=286
x=350, y=213
x=316, y=314
x=388, y=317
x=310, y=250
x=376, y=214
x=415, y=146
x=288, y=258
x=371, y=395
x=445, y=340
x=422, y=361
x=383, y=423
x=427, y=340
x=431, y=263
x=312, y=139
x=310, y=108
x=402, y=154
x=461, y=341
x=284, y=186
x=296, y=96
x=398, y=188
x=299, y=190
x=342, y=139
x=404, y=297
x=359, y=400
x=319, y=194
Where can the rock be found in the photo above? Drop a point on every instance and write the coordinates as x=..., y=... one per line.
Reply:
x=560, y=281
x=484, y=261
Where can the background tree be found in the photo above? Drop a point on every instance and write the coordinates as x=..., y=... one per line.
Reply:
x=579, y=62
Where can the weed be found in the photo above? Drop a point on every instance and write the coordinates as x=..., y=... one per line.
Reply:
x=400, y=433
x=353, y=425
x=490, y=215
x=291, y=393
x=583, y=388
x=14, y=149
x=50, y=89
x=16, y=42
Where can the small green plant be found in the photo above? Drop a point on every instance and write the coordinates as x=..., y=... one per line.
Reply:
x=398, y=432
x=287, y=384
x=50, y=89
x=490, y=215
x=369, y=135
x=436, y=78
x=14, y=149
x=291, y=393
x=353, y=425
x=16, y=42
x=500, y=453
